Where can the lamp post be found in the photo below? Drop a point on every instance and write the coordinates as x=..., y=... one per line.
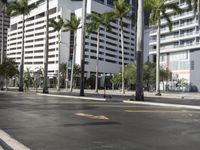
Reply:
x=83, y=48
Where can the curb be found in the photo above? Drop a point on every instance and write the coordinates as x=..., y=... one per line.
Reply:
x=4, y=145
x=164, y=104
x=74, y=97
x=8, y=143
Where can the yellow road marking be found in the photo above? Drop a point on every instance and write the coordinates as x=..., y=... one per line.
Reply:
x=101, y=117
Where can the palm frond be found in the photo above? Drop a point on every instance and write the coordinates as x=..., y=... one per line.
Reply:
x=56, y=25
x=19, y=7
x=174, y=7
x=72, y=24
x=169, y=22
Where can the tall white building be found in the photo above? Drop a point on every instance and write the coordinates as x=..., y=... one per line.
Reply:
x=110, y=47
x=35, y=35
x=180, y=48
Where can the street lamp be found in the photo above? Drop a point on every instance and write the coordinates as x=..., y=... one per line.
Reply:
x=83, y=48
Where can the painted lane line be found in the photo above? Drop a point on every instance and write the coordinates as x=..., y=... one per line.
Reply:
x=101, y=117
x=12, y=143
x=156, y=111
x=164, y=104
x=74, y=97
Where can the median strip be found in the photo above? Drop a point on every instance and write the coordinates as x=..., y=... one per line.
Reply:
x=152, y=111
x=164, y=104
x=74, y=97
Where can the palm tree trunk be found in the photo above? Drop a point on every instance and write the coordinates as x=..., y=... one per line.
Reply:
x=45, y=89
x=139, y=95
x=66, y=76
x=122, y=48
x=6, y=82
x=73, y=62
x=58, y=86
x=2, y=36
x=82, y=83
x=2, y=46
x=198, y=11
x=158, y=61
x=21, y=73
x=97, y=63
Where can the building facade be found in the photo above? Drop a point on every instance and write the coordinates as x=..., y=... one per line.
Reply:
x=180, y=48
x=35, y=27
x=110, y=47
x=110, y=42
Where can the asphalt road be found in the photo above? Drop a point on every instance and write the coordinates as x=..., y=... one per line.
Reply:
x=50, y=123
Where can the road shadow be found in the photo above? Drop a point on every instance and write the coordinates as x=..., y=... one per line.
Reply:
x=92, y=124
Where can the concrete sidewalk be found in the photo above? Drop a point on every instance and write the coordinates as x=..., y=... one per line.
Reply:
x=116, y=95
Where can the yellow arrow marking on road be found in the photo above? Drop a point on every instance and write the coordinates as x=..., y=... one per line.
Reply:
x=101, y=117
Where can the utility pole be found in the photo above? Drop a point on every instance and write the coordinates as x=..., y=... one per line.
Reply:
x=45, y=89
x=83, y=48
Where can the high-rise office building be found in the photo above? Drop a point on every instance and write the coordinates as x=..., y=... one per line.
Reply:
x=180, y=48
x=110, y=47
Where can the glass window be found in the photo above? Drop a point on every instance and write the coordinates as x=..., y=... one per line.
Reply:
x=110, y=2
x=184, y=65
x=101, y=1
x=178, y=56
x=173, y=65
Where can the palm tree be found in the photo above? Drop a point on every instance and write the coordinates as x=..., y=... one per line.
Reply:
x=84, y=10
x=76, y=72
x=3, y=4
x=72, y=25
x=158, y=8
x=46, y=52
x=15, y=8
x=57, y=26
x=63, y=72
x=97, y=21
x=139, y=94
x=122, y=11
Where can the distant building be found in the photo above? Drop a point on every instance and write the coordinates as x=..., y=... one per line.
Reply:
x=110, y=47
x=147, y=57
x=180, y=48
